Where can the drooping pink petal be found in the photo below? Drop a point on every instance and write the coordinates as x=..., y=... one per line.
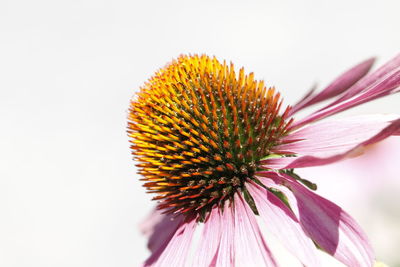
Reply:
x=250, y=246
x=283, y=224
x=226, y=254
x=338, y=86
x=210, y=239
x=331, y=227
x=373, y=86
x=329, y=141
x=269, y=179
x=174, y=252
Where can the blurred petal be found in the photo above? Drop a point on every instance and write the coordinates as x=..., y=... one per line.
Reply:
x=250, y=247
x=303, y=101
x=329, y=141
x=160, y=229
x=148, y=224
x=283, y=224
x=338, y=86
x=331, y=227
x=175, y=252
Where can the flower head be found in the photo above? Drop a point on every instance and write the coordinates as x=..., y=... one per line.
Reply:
x=217, y=147
x=200, y=132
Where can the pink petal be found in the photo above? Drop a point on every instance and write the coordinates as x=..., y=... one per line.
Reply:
x=383, y=82
x=210, y=239
x=338, y=86
x=370, y=79
x=175, y=252
x=332, y=137
x=329, y=141
x=250, y=247
x=331, y=227
x=269, y=179
x=283, y=224
x=226, y=254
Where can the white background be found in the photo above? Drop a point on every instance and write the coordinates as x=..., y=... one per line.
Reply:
x=69, y=195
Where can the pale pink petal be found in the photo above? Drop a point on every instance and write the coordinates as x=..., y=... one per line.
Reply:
x=226, y=254
x=327, y=138
x=387, y=83
x=250, y=247
x=210, y=239
x=283, y=224
x=283, y=163
x=331, y=227
x=330, y=141
x=338, y=86
x=175, y=252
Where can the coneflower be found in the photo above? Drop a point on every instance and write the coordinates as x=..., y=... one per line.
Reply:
x=217, y=147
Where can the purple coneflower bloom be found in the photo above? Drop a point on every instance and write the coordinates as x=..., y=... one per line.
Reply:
x=216, y=149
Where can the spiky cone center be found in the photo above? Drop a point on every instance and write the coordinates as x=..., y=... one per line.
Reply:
x=198, y=130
